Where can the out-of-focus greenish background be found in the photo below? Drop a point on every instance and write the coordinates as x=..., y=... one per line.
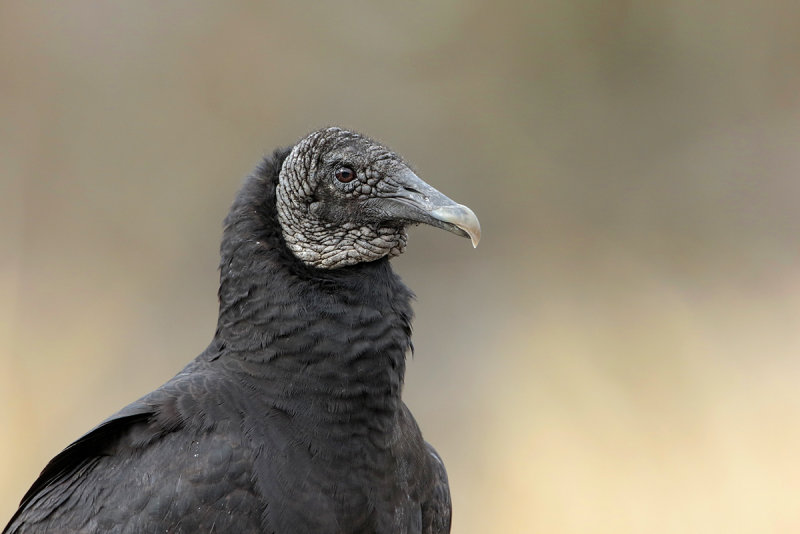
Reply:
x=620, y=355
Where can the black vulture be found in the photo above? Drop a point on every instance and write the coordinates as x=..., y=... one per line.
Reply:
x=291, y=421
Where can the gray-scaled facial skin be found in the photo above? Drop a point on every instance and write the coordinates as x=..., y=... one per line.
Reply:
x=344, y=199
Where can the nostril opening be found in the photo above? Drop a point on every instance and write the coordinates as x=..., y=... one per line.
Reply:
x=412, y=190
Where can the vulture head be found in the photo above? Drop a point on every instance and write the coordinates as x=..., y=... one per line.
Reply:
x=343, y=199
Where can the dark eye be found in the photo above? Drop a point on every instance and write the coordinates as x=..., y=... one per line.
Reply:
x=345, y=174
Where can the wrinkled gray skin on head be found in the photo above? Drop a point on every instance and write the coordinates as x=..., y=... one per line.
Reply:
x=326, y=223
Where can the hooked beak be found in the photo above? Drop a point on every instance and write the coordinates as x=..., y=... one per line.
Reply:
x=415, y=201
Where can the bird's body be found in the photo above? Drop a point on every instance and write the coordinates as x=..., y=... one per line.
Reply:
x=291, y=421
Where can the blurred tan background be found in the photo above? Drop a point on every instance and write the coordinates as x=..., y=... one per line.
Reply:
x=620, y=354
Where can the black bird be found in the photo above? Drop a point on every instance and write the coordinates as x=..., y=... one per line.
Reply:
x=291, y=421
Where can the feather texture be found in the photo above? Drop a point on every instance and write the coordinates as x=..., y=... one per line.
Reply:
x=291, y=421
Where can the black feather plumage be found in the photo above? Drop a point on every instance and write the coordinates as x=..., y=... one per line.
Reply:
x=291, y=421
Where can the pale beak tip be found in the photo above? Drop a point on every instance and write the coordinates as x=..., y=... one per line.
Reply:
x=474, y=233
x=463, y=218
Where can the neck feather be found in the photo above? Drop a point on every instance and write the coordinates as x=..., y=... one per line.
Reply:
x=331, y=340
